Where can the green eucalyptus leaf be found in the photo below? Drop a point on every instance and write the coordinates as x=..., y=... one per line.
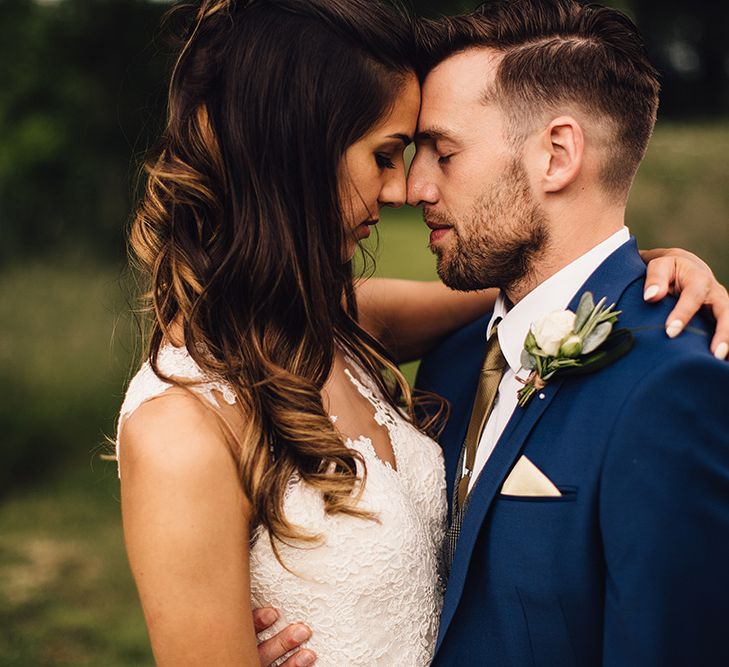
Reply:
x=584, y=310
x=528, y=361
x=608, y=314
x=597, y=337
x=593, y=319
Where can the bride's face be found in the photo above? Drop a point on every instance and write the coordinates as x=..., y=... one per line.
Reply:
x=372, y=171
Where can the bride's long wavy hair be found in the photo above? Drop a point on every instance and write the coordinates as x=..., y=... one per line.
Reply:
x=240, y=231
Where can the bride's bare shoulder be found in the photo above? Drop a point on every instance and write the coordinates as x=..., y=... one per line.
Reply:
x=176, y=434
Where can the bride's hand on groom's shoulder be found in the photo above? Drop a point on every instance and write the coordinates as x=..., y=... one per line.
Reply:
x=686, y=276
x=288, y=639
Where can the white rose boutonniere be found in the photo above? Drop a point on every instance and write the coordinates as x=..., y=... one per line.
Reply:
x=551, y=330
x=572, y=344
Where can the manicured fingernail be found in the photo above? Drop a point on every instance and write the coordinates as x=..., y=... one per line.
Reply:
x=301, y=633
x=650, y=292
x=722, y=351
x=674, y=328
x=269, y=616
x=305, y=659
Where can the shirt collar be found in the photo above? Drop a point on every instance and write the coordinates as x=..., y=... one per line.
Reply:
x=555, y=293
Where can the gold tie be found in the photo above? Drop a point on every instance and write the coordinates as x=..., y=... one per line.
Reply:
x=492, y=370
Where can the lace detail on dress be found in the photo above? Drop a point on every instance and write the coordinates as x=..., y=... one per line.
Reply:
x=173, y=362
x=370, y=590
x=383, y=415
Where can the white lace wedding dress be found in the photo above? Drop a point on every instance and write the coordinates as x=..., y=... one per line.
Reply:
x=371, y=590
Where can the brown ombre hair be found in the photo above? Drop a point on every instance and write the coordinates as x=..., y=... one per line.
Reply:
x=240, y=231
x=557, y=52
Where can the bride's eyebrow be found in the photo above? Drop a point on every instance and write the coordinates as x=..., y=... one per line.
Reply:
x=406, y=140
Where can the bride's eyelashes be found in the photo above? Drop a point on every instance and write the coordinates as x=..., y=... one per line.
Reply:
x=384, y=161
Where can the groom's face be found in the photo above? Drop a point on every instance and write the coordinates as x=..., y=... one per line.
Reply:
x=471, y=181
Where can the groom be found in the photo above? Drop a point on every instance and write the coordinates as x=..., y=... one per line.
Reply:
x=592, y=525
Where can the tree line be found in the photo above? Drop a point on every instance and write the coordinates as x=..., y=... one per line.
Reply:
x=82, y=98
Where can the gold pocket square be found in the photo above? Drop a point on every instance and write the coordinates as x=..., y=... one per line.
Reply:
x=525, y=479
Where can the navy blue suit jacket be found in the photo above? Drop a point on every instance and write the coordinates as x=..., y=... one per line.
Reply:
x=630, y=566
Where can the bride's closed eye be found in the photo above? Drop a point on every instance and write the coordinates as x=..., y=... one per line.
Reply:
x=384, y=161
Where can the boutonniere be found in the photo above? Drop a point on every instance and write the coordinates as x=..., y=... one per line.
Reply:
x=572, y=344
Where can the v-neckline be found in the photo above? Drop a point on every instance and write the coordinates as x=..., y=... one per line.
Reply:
x=382, y=416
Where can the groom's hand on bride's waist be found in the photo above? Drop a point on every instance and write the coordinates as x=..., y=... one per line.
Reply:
x=288, y=639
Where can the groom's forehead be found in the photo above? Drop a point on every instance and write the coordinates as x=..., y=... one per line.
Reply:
x=460, y=81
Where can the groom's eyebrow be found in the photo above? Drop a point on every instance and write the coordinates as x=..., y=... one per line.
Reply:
x=435, y=133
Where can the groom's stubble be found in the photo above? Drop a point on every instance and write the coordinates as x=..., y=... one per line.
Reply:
x=499, y=241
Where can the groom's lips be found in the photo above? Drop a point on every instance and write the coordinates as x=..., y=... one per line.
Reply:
x=437, y=231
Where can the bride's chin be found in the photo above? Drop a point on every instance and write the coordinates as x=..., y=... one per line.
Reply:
x=349, y=251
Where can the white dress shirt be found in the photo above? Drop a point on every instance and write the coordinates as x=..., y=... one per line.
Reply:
x=555, y=293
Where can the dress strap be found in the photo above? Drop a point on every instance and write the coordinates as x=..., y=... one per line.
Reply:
x=174, y=362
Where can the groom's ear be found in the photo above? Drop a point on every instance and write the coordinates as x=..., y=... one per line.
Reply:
x=563, y=146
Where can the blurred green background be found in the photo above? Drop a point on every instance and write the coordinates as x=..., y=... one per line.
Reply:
x=81, y=98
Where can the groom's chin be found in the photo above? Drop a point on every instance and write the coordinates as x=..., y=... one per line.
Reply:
x=447, y=276
x=459, y=279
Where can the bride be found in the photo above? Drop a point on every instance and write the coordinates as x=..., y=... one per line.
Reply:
x=270, y=451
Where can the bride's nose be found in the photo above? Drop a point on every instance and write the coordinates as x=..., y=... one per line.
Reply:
x=394, y=190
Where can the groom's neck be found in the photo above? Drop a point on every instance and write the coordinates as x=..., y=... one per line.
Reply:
x=570, y=237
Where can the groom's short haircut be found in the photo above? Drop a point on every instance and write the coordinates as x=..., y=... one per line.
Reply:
x=558, y=53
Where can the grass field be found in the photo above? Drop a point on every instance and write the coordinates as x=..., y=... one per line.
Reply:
x=66, y=597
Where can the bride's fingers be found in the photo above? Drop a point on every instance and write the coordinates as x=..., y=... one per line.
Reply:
x=716, y=299
x=675, y=253
x=653, y=253
x=695, y=287
x=291, y=637
x=671, y=270
x=659, y=276
x=719, y=304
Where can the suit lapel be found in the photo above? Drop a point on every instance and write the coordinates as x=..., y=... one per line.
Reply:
x=611, y=279
x=487, y=486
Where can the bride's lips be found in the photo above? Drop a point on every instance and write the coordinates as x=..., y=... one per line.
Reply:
x=438, y=232
x=363, y=230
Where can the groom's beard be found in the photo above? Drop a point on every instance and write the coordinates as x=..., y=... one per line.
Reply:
x=498, y=242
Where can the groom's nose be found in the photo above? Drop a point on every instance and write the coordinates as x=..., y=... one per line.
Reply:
x=421, y=190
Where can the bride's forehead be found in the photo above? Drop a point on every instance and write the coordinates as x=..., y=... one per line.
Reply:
x=403, y=114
